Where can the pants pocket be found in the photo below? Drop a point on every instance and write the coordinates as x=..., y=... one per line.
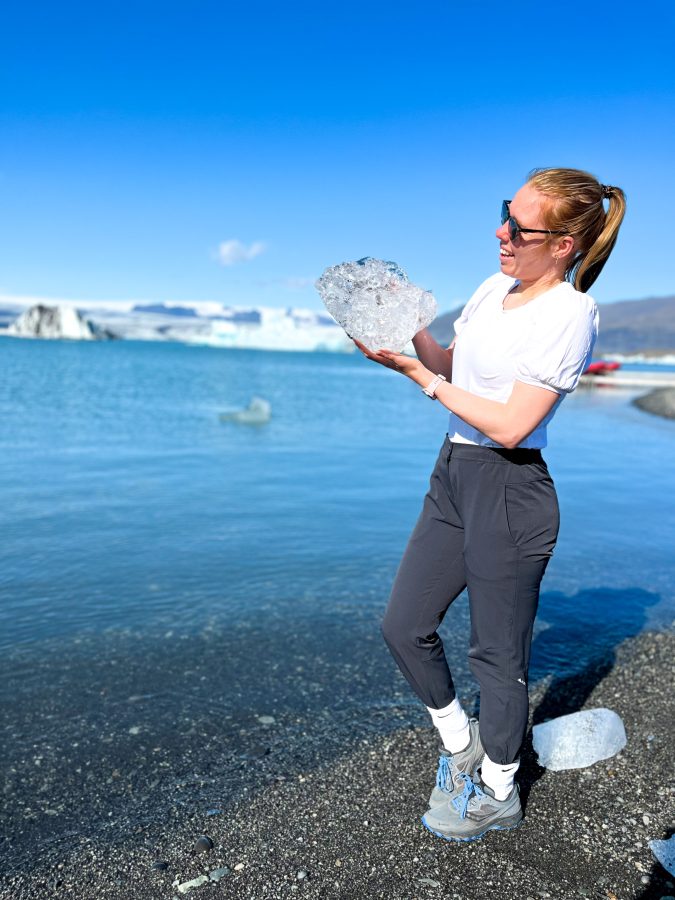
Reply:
x=532, y=514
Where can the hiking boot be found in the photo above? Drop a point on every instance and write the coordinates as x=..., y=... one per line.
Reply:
x=475, y=811
x=451, y=766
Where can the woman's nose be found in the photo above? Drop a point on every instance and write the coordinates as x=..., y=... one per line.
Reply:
x=502, y=233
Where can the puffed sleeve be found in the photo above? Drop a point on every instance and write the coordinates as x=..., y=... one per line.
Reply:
x=561, y=343
x=478, y=296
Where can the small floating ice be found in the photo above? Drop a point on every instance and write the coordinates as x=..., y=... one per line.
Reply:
x=579, y=739
x=664, y=851
x=258, y=412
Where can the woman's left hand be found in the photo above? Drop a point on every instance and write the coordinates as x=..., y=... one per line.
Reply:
x=399, y=362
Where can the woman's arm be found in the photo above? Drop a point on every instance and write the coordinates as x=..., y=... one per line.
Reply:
x=506, y=424
x=432, y=355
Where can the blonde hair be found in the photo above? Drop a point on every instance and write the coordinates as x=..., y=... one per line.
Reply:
x=576, y=208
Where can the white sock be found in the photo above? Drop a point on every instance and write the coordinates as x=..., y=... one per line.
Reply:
x=453, y=725
x=498, y=777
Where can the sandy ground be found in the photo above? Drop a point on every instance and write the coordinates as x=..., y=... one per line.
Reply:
x=321, y=816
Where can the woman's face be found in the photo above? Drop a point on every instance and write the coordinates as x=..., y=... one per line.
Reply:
x=531, y=256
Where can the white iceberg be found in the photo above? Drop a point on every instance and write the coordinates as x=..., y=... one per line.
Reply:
x=258, y=412
x=664, y=851
x=56, y=323
x=374, y=302
x=579, y=739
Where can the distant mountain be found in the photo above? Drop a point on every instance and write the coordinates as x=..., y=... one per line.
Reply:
x=627, y=327
x=637, y=326
x=442, y=326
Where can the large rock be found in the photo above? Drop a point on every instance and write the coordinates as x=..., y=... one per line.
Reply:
x=660, y=402
x=56, y=322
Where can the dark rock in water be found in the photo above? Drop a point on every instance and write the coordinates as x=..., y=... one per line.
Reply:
x=204, y=844
x=213, y=812
x=160, y=865
x=660, y=402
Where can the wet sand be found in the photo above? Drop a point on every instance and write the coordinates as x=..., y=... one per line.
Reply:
x=329, y=805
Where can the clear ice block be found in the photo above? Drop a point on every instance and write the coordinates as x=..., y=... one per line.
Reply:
x=579, y=739
x=374, y=302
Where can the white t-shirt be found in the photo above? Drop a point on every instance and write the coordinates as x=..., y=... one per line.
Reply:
x=547, y=342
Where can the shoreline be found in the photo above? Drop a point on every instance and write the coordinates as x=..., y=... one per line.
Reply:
x=345, y=823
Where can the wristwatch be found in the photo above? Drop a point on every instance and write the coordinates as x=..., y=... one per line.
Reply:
x=430, y=389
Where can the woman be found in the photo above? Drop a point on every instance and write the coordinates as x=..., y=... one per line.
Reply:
x=489, y=521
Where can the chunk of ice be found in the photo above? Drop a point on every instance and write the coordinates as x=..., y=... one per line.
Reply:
x=258, y=412
x=579, y=739
x=664, y=851
x=374, y=302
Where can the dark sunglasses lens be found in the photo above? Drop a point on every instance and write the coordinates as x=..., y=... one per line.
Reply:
x=505, y=211
x=513, y=228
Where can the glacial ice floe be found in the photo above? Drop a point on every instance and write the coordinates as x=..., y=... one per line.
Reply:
x=258, y=412
x=664, y=851
x=56, y=323
x=579, y=739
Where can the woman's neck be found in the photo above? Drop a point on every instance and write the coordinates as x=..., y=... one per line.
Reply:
x=528, y=290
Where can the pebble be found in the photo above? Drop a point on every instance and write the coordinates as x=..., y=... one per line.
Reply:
x=429, y=882
x=645, y=879
x=266, y=720
x=217, y=874
x=646, y=820
x=188, y=885
x=213, y=812
x=160, y=865
x=301, y=875
x=204, y=844
x=239, y=867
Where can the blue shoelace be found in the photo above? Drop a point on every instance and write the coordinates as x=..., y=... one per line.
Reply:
x=444, y=773
x=461, y=803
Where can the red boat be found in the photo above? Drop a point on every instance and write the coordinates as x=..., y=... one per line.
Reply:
x=602, y=368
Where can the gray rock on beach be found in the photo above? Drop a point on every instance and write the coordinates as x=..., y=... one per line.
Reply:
x=579, y=739
x=375, y=303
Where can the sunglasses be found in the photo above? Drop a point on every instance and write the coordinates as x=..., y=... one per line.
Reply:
x=515, y=229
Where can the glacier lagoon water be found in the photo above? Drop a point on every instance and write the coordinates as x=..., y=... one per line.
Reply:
x=130, y=508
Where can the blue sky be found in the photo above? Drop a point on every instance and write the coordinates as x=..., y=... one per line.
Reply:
x=209, y=151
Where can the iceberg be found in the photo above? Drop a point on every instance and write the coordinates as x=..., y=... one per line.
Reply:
x=664, y=851
x=258, y=412
x=375, y=303
x=579, y=739
x=56, y=323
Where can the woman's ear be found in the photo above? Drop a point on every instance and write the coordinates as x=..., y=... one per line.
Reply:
x=564, y=246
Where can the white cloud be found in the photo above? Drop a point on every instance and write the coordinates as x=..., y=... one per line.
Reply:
x=233, y=251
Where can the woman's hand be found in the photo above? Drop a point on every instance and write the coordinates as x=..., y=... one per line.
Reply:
x=399, y=362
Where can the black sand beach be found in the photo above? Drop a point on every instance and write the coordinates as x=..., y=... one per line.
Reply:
x=332, y=808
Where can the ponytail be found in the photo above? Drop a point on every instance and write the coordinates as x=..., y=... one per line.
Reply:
x=576, y=207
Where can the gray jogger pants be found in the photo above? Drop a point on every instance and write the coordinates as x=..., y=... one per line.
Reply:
x=489, y=522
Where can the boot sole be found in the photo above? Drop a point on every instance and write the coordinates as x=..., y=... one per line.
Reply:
x=506, y=825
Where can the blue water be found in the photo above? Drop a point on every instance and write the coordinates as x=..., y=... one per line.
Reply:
x=128, y=505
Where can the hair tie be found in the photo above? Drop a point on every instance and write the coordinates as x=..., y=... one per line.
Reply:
x=606, y=191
